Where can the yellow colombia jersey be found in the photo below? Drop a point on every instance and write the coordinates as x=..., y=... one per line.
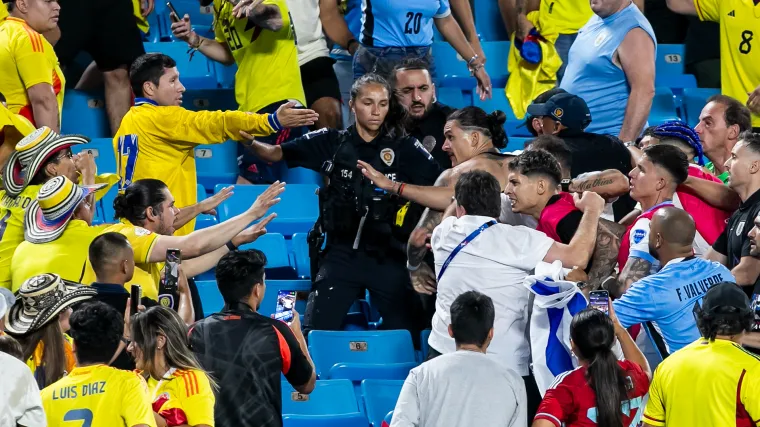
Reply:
x=64, y=256
x=706, y=384
x=98, y=396
x=564, y=16
x=267, y=60
x=3, y=12
x=26, y=59
x=12, y=211
x=146, y=274
x=739, y=45
x=142, y=22
x=159, y=142
x=13, y=127
x=183, y=397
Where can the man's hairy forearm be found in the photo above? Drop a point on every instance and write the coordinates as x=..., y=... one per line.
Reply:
x=635, y=269
x=605, y=256
x=430, y=219
x=636, y=113
x=266, y=16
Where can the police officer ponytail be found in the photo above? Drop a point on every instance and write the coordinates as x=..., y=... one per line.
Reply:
x=395, y=120
x=491, y=125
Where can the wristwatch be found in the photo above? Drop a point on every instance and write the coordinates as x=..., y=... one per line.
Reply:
x=565, y=184
x=629, y=144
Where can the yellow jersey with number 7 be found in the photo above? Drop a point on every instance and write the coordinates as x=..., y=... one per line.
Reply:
x=739, y=45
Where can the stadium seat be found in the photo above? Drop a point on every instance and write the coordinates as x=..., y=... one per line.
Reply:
x=204, y=221
x=296, y=212
x=516, y=143
x=216, y=165
x=694, y=99
x=269, y=303
x=358, y=372
x=301, y=176
x=201, y=17
x=451, y=69
x=451, y=96
x=388, y=419
x=105, y=160
x=201, y=193
x=195, y=73
x=424, y=346
x=669, y=59
x=676, y=82
x=497, y=53
x=340, y=420
x=84, y=113
x=330, y=397
x=301, y=255
x=278, y=262
x=488, y=22
x=663, y=107
x=380, y=396
x=209, y=99
x=225, y=75
x=210, y=296
x=500, y=102
x=330, y=347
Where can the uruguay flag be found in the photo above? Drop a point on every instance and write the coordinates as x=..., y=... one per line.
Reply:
x=554, y=305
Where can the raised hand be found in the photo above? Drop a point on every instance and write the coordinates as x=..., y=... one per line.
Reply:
x=267, y=199
x=377, y=178
x=209, y=205
x=291, y=117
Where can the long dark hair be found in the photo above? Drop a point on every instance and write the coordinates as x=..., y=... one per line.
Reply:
x=593, y=334
x=53, y=353
x=491, y=125
x=141, y=194
x=395, y=121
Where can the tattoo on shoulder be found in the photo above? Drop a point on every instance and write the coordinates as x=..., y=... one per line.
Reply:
x=604, y=257
x=613, y=227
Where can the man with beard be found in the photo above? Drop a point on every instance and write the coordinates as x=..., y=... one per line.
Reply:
x=415, y=90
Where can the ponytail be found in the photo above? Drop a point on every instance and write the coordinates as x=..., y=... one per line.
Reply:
x=137, y=198
x=490, y=125
x=608, y=381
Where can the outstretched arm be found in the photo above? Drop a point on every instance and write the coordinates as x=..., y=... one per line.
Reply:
x=635, y=269
x=437, y=197
x=266, y=16
x=714, y=193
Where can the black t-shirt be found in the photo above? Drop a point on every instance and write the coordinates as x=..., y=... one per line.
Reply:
x=594, y=152
x=432, y=125
x=734, y=241
x=246, y=352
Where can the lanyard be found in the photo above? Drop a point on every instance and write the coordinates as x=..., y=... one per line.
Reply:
x=464, y=243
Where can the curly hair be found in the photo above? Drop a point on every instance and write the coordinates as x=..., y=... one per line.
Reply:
x=96, y=328
x=537, y=162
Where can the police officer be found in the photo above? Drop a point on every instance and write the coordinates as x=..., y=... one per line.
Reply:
x=367, y=228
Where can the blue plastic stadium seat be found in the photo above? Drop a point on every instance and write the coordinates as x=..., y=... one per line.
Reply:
x=269, y=303
x=488, y=22
x=669, y=59
x=225, y=75
x=302, y=176
x=84, y=113
x=663, y=107
x=424, y=346
x=105, y=160
x=276, y=250
x=330, y=397
x=296, y=212
x=330, y=347
x=339, y=420
x=388, y=418
x=516, y=143
x=209, y=99
x=201, y=17
x=676, y=82
x=201, y=193
x=358, y=372
x=216, y=165
x=451, y=96
x=694, y=100
x=210, y=296
x=301, y=255
x=500, y=102
x=204, y=221
x=380, y=396
x=451, y=69
x=197, y=73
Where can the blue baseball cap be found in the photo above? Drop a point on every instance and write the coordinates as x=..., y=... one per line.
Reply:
x=568, y=109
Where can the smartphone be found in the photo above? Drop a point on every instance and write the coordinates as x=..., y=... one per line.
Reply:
x=600, y=300
x=135, y=296
x=286, y=301
x=175, y=17
x=168, y=289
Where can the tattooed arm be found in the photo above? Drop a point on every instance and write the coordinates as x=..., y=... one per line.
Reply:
x=635, y=269
x=605, y=254
x=608, y=183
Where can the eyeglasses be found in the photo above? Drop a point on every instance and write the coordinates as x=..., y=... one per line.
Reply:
x=65, y=154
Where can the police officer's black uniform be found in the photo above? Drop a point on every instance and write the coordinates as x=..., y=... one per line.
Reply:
x=375, y=257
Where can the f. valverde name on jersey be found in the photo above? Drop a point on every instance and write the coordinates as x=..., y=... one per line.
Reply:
x=699, y=287
x=74, y=391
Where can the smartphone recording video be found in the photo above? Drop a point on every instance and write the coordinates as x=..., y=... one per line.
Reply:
x=286, y=302
x=600, y=300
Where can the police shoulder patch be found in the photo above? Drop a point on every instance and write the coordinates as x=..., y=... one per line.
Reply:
x=638, y=235
x=314, y=133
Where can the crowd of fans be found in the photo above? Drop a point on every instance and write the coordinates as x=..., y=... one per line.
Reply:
x=607, y=273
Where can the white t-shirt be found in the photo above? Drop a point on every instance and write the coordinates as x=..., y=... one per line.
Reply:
x=494, y=263
x=464, y=388
x=20, y=401
x=309, y=38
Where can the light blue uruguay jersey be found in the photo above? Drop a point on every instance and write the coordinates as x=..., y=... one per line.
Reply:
x=667, y=299
x=400, y=23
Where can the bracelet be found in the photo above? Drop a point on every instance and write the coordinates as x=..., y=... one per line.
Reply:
x=629, y=144
x=401, y=188
x=412, y=267
x=472, y=60
x=231, y=246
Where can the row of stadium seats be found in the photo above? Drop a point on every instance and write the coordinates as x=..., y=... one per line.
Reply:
x=333, y=403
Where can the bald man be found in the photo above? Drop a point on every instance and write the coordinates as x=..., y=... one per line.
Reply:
x=663, y=302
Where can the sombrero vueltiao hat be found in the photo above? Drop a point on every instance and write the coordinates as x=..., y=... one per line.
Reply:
x=31, y=153
x=46, y=218
x=40, y=299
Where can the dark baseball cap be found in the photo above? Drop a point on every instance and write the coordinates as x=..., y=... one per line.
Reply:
x=725, y=294
x=568, y=109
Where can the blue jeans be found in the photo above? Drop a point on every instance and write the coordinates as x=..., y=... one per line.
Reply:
x=563, y=44
x=381, y=60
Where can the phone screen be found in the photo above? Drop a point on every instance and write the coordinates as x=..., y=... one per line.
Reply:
x=135, y=297
x=600, y=300
x=286, y=301
x=168, y=289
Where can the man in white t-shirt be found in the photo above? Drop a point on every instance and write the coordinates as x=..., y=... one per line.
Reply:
x=466, y=387
x=495, y=261
x=20, y=402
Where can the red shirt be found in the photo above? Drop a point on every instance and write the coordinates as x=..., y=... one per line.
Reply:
x=571, y=400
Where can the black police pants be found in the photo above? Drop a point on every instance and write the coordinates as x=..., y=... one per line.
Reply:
x=343, y=276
